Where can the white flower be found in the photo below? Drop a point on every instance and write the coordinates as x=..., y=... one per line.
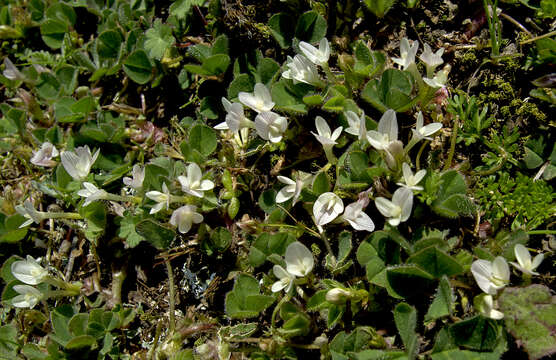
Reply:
x=327, y=207
x=300, y=69
x=357, y=125
x=485, y=305
x=407, y=53
x=357, y=218
x=10, y=71
x=43, y=157
x=423, y=132
x=78, y=163
x=285, y=279
x=28, y=296
x=393, y=154
x=193, y=183
x=299, y=259
x=161, y=198
x=29, y=212
x=397, y=210
x=184, y=217
x=324, y=136
x=432, y=60
x=138, y=174
x=491, y=276
x=271, y=126
x=260, y=100
x=235, y=117
x=292, y=188
x=440, y=79
x=91, y=193
x=386, y=133
x=318, y=56
x=337, y=296
x=28, y=271
x=523, y=257
x=411, y=180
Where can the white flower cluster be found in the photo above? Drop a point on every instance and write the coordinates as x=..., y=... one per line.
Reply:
x=269, y=125
x=29, y=272
x=299, y=263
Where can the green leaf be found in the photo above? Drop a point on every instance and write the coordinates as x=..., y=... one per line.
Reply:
x=81, y=343
x=95, y=215
x=358, y=163
x=216, y=64
x=311, y=27
x=379, y=7
x=138, y=67
x=393, y=91
x=158, y=39
x=242, y=82
x=530, y=316
x=267, y=201
x=321, y=184
x=289, y=97
x=436, y=262
x=476, y=333
x=244, y=301
x=182, y=8
x=78, y=324
x=62, y=12
x=6, y=271
x=267, y=244
x=157, y=235
x=531, y=159
x=53, y=31
x=266, y=70
x=408, y=280
x=203, y=139
x=405, y=317
x=109, y=44
x=281, y=29
x=443, y=301
x=8, y=341
x=127, y=230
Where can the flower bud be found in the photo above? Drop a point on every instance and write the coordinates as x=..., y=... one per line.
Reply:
x=338, y=296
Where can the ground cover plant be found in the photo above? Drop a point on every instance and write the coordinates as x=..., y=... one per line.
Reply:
x=234, y=179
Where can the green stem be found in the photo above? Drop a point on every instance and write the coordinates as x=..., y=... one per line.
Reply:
x=541, y=232
x=285, y=299
x=329, y=75
x=452, y=144
x=114, y=197
x=552, y=33
x=418, y=158
x=332, y=160
x=62, y=215
x=328, y=248
x=172, y=300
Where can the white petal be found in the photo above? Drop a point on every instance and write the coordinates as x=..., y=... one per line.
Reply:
x=322, y=127
x=386, y=207
x=522, y=255
x=389, y=125
x=500, y=269
x=299, y=259
x=537, y=261
x=285, y=194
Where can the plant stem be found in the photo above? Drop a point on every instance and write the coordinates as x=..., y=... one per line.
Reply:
x=552, y=33
x=452, y=143
x=62, y=215
x=328, y=248
x=172, y=300
x=541, y=232
x=286, y=298
x=418, y=158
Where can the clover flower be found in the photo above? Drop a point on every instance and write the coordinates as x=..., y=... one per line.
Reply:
x=271, y=126
x=525, y=265
x=357, y=125
x=138, y=176
x=161, y=198
x=327, y=208
x=299, y=263
x=260, y=100
x=235, y=117
x=484, y=304
x=184, y=217
x=10, y=70
x=318, y=56
x=423, y=132
x=431, y=60
x=357, y=218
x=193, y=183
x=300, y=69
x=43, y=156
x=78, y=164
x=324, y=136
x=91, y=193
x=292, y=188
x=411, y=180
x=386, y=132
x=491, y=276
x=338, y=296
x=407, y=53
x=28, y=211
x=397, y=210
x=440, y=79
x=285, y=279
x=28, y=271
x=28, y=296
